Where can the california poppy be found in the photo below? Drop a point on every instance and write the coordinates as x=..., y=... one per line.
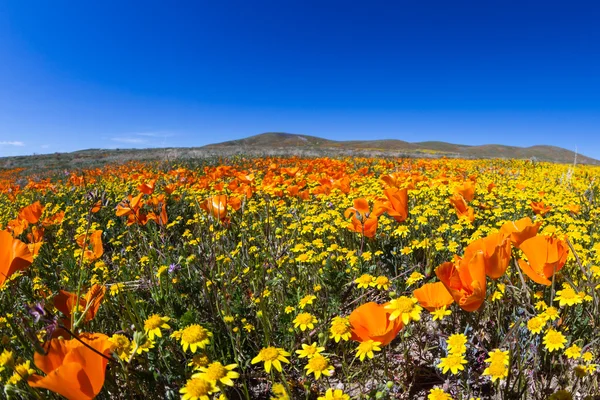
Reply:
x=72, y=369
x=466, y=190
x=147, y=188
x=520, y=230
x=65, y=302
x=371, y=321
x=466, y=282
x=363, y=221
x=432, y=296
x=540, y=208
x=14, y=256
x=216, y=206
x=397, y=204
x=545, y=255
x=130, y=205
x=91, y=245
x=461, y=207
x=32, y=212
x=496, y=250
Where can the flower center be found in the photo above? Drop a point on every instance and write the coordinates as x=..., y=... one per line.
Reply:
x=318, y=363
x=153, y=322
x=269, y=354
x=216, y=371
x=194, y=334
x=404, y=305
x=304, y=318
x=198, y=387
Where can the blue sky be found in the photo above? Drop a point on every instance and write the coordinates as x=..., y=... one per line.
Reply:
x=83, y=74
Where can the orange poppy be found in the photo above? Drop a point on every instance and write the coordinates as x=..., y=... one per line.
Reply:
x=32, y=212
x=432, y=296
x=216, y=206
x=17, y=226
x=72, y=369
x=368, y=227
x=130, y=205
x=91, y=245
x=54, y=219
x=371, y=321
x=546, y=255
x=65, y=302
x=461, y=207
x=574, y=208
x=14, y=256
x=466, y=190
x=520, y=230
x=363, y=221
x=147, y=188
x=397, y=204
x=361, y=207
x=496, y=250
x=465, y=282
x=540, y=208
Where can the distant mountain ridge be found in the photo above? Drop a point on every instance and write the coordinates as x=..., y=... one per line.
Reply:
x=271, y=141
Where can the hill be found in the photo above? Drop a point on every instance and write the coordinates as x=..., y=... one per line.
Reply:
x=277, y=143
x=274, y=141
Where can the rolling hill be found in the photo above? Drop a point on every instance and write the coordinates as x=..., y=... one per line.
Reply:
x=279, y=141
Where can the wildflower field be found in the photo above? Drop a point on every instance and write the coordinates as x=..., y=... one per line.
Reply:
x=289, y=278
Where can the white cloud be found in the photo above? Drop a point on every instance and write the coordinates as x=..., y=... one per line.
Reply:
x=11, y=143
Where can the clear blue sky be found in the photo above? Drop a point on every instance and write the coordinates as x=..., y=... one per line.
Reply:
x=89, y=74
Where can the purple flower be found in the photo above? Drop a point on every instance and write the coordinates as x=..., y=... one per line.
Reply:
x=37, y=311
x=173, y=268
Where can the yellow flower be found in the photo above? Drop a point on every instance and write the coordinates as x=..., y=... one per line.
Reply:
x=140, y=348
x=554, y=340
x=568, y=296
x=382, y=282
x=454, y=362
x=198, y=361
x=6, y=359
x=551, y=313
x=497, y=295
x=122, y=346
x=498, y=356
x=289, y=309
x=279, y=391
x=340, y=329
x=496, y=371
x=364, y=281
x=336, y=394
x=457, y=343
x=153, y=324
x=414, y=278
x=318, y=365
x=272, y=356
x=218, y=373
x=573, y=352
x=588, y=356
x=440, y=313
x=438, y=394
x=406, y=308
x=367, y=349
x=306, y=300
x=309, y=350
x=536, y=324
x=305, y=320
x=193, y=337
x=23, y=370
x=197, y=389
